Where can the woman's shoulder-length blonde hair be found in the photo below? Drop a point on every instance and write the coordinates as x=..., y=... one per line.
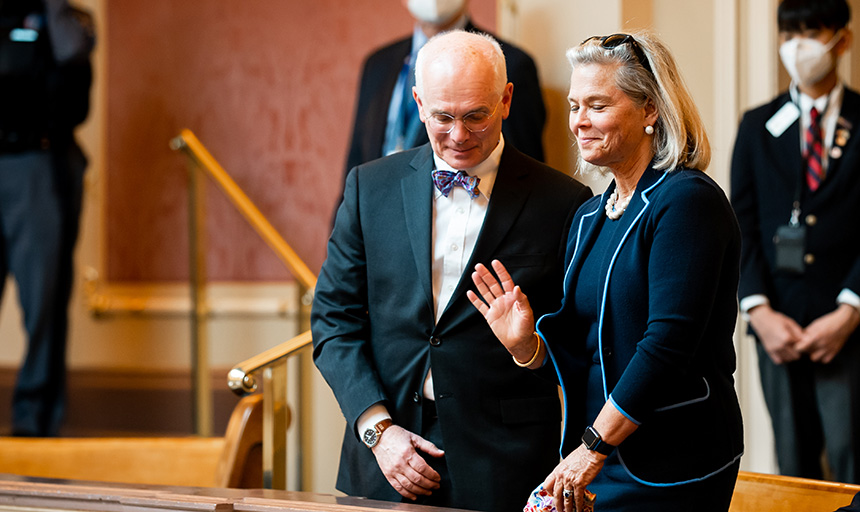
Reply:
x=679, y=138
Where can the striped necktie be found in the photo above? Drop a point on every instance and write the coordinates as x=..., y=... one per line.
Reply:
x=814, y=151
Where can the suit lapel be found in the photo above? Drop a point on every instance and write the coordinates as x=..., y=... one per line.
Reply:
x=849, y=117
x=510, y=192
x=417, y=192
x=785, y=151
x=591, y=223
x=586, y=230
x=385, y=89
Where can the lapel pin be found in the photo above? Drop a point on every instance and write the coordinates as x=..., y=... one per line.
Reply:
x=836, y=152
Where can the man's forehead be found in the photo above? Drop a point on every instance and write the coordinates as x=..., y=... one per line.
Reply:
x=451, y=96
x=455, y=63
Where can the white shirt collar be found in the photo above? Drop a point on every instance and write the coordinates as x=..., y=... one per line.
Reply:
x=827, y=101
x=486, y=170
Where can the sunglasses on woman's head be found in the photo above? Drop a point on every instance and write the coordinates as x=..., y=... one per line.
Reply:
x=613, y=41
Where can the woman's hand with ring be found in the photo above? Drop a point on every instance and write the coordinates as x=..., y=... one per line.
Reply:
x=568, y=480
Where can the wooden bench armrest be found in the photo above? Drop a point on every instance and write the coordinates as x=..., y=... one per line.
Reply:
x=759, y=492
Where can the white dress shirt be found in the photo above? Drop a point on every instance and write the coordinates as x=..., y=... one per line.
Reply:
x=457, y=222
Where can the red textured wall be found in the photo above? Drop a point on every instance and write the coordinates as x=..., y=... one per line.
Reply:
x=268, y=86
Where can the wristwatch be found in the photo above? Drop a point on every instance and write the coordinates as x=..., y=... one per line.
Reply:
x=592, y=440
x=371, y=435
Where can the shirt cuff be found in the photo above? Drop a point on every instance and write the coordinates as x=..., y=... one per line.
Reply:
x=373, y=415
x=846, y=296
x=751, y=301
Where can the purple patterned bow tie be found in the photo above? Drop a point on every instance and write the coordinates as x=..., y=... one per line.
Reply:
x=446, y=180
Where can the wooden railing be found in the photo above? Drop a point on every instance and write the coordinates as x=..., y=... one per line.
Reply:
x=204, y=161
x=233, y=461
x=41, y=495
x=759, y=492
x=270, y=366
x=754, y=493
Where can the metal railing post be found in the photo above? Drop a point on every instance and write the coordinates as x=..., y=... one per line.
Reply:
x=201, y=386
x=275, y=365
x=276, y=420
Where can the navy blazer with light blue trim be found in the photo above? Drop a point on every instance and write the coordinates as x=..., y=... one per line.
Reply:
x=667, y=311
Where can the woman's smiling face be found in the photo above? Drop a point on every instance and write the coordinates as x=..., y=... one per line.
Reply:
x=609, y=127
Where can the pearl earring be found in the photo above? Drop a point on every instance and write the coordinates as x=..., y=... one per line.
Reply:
x=649, y=130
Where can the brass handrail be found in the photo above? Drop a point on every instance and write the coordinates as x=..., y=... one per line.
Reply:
x=269, y=366
x=187, y=140
x=241, y=377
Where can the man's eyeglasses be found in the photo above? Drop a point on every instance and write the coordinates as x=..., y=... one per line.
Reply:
x=475, y=122
x=615, y=40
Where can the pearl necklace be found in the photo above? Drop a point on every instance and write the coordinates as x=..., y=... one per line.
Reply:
x=615, y=207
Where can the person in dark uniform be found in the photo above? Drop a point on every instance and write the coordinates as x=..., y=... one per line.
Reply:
x=795, y=189
x=45, y=78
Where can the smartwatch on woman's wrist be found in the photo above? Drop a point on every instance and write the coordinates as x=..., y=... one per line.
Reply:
x=592, y=440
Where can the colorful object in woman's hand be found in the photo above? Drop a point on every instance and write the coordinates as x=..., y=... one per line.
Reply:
x=541, y=500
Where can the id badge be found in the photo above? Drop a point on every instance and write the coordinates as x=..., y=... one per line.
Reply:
x=790, y=243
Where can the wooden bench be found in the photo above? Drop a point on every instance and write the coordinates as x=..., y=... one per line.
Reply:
x=757, y=492
x=234, y=460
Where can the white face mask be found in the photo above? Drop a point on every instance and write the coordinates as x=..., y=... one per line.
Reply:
x=435, y=11
x=808, y=60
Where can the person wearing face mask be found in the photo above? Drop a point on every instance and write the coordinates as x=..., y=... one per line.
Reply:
x=386, y=119
x=795, y=189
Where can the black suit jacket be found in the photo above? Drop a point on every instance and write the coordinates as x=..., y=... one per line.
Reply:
x=765, y=174
x=523, y=128
x=375, y=334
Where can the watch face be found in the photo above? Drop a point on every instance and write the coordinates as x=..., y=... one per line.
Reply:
x=370, y=437
x=590, y=438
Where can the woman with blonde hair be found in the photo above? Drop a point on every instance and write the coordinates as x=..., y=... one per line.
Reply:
x=642, y=343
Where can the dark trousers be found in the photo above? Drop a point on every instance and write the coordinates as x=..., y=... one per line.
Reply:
x=815, y=409
x=40, y=204
x=431, y=431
